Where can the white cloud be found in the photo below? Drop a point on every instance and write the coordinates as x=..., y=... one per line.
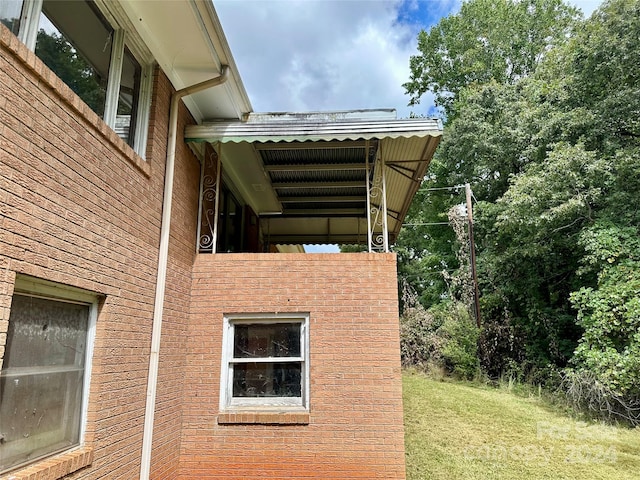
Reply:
x=330, y=54
x=320, y=55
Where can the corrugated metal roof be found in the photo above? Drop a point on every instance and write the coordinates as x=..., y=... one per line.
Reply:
x=301, y=176
x=317, y=155
x=302, y=191
x=314, y=131
x=317, y=169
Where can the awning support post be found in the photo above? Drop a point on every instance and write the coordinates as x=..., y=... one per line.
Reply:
x=216, y=208
x=368, y=174
x=385, y=229
x=377, y=226
x=208, y=202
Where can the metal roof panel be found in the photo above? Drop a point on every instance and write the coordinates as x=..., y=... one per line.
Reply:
x=314, y=131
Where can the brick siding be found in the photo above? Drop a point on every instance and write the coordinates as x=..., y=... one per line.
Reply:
x=79, y=207
x=354, y=428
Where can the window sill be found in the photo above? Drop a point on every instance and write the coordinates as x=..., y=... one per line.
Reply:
x=54, y=467
x=263, y=418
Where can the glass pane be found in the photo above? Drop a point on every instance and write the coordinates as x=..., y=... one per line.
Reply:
x=266, y=340
x=75, y=42
x=230, y=222
x=45, y=332
x=39, y=415
x=267, y=379
x=232, y=216
x=41, y=380
x=10, y=11
x=128, y=98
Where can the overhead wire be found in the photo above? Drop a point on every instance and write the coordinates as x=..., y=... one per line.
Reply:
x=436, y=189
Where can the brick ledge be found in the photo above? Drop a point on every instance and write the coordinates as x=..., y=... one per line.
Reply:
x=9, y=41
x=55, y=467
x=264, y=418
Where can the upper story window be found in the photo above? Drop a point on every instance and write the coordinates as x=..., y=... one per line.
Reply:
x=91, y=55
x=10, y=14
x=76, y=43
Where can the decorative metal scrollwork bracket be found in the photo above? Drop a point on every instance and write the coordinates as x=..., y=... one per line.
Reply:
x=209, y=198
x=378, y=232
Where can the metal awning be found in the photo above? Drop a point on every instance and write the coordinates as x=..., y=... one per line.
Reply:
x=319, y=178
x=302, y=130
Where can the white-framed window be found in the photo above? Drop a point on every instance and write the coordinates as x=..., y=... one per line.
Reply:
x=265, y=361
x=44, y=380
x=92, y=56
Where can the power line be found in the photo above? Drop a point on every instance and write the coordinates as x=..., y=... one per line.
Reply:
x=434, y=189
x=426, y=274
x=424, y=224
x=454, y=187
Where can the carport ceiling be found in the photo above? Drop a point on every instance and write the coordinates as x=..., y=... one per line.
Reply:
x=319, y=178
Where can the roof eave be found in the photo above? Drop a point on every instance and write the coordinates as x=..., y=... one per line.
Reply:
x=188, y=42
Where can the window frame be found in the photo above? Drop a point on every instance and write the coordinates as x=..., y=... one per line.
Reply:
x=29, y=23
x=44, y=289
x=230, y=403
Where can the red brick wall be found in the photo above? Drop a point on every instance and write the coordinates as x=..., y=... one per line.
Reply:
x=79, y=207
x=355, y=423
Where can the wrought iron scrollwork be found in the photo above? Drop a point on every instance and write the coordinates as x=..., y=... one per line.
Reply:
x=377, y=208
x=208, y=196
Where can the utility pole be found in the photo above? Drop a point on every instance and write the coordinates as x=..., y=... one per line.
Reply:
x=472, y=248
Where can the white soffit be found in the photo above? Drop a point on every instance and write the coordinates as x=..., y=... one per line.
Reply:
x=243, y=167
x=187, y=40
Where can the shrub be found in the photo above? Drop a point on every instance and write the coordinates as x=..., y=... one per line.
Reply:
x=500, y=348
x=442, y=337
x=607, y=360
x=586, y=393
x=420, y=345
x=460, y=341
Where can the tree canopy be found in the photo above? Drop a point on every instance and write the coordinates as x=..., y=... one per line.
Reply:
x=501, y=40
x=548, y=135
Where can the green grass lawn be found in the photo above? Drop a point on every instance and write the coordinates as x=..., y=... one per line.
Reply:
x=461, y=431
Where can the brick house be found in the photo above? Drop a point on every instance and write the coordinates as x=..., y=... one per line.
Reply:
x=158, y=316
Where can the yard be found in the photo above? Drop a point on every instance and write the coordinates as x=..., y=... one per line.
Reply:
x=463, y=431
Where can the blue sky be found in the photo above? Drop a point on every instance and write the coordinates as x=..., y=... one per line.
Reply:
x=423, y=14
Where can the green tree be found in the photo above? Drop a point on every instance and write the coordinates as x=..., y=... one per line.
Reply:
x=553, y=156
x=466, y=60
x=500, y=40
x=61, y=57
x=577, y=168
x=530, y=249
